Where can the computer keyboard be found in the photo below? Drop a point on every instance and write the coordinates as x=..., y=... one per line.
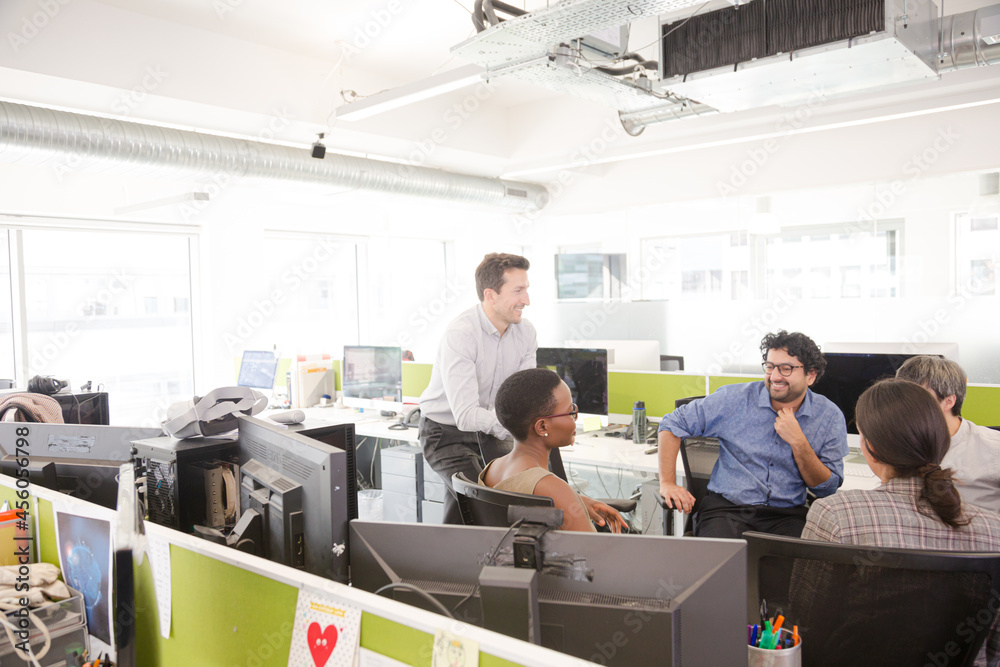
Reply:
x=857, y=470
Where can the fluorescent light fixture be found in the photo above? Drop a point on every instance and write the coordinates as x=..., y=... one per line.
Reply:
x=410, y=93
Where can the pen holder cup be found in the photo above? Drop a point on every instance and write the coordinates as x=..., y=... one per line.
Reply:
x=786, y=657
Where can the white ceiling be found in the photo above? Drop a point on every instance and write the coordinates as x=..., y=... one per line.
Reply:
x=235, y=66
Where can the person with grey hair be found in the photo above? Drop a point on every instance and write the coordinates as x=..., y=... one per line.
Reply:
x=974, y=454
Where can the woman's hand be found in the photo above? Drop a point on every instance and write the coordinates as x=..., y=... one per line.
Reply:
x=603, y=514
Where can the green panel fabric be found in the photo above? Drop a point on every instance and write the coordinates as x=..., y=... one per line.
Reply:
x=416, y=377
x=716, y=381
x=222, y=615
x=410, y=646
x=982, y=406
x=658, y=390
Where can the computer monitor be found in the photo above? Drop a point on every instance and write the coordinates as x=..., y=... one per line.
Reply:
x=626, y=355
x=373, y=377
x=257, y=370
x=946, y=350
x=847, y=376
x=301, y=481
x=84, y=408
x=585, y=372
x=609, y=599
x=86, y=457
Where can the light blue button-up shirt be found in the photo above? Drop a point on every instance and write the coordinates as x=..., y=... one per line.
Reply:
x=755, y=465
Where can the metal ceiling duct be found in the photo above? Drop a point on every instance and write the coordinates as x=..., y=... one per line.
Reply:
x=35, y=135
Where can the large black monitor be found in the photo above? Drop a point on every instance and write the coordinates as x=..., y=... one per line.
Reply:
x=84, y=408
x=584, y=371
x=257, y=370
x=373, y=377
x=648, y=601
x=301, y=481
x=848, y=374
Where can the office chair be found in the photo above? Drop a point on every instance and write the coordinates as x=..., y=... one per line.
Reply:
x=671, y=362
x=698, y=456
x=556, y=467
x=491, y=447
x=874, y=605
x=484, y=506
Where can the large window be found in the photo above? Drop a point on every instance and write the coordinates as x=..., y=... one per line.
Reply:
x=312, y=285
x=7, y=351
x=590, y=275
x=832, y=261
x=977, y=252
x=101, y=307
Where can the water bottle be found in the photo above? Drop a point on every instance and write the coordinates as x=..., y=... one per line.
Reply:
x=639, y=423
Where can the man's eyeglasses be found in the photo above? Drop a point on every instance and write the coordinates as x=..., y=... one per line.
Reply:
x=574, y=411
x=784, y=369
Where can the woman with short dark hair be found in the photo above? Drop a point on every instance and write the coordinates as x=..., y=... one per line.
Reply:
x=536, y=406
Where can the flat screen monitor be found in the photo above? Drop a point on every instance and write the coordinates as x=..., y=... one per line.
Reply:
x=84, y=408
x=610, y=599
x=626, y=355
x=373, y=377
x=847, y=376
x=258, y=369
x=585, y=372
x=314, y=465
x=86, y=457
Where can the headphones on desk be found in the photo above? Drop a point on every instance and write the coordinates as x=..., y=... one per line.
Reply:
x=46, y=384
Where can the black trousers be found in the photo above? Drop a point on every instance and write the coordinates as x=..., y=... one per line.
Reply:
x=447, y=451
x=717, y=517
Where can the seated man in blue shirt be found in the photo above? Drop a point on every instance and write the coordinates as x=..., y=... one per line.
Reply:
x=776, y=439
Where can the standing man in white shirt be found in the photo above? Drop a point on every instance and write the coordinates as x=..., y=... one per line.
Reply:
x=481, y=348
x=974, y=454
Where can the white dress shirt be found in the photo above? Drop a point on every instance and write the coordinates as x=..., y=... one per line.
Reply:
x=472, y=362
x=974, y=456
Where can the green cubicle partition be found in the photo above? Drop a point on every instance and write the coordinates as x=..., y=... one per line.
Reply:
x=416, y=377
x=982, y=405
x=657, y=390
x=232, y=609
x=716, y=381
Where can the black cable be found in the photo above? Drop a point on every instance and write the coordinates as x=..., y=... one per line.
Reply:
x=489, y=561
x=421, y=592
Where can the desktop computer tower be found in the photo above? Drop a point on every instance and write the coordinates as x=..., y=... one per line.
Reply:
x=185, y=479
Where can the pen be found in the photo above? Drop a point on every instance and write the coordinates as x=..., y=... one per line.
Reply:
x=795, y=635
x=753, y=635
x=777, y=623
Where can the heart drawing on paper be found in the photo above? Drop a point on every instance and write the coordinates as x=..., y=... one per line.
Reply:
x=322, y=641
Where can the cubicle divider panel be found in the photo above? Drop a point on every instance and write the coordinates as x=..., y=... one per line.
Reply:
x=716, y=381
x=982, y=405
x=407, y=645
x=657, y=390
x=416, y=377
x=221, y=615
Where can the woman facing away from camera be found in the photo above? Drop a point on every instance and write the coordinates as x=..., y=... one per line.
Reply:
x=536, y=406
x=904, y=436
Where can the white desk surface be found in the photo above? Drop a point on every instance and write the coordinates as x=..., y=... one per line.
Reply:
x=370, y=424
x=593, y=449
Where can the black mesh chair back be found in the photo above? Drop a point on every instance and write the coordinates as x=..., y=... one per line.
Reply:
x=483, y=506
x=698, y=455
x=875, y=605
x=684, y=401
